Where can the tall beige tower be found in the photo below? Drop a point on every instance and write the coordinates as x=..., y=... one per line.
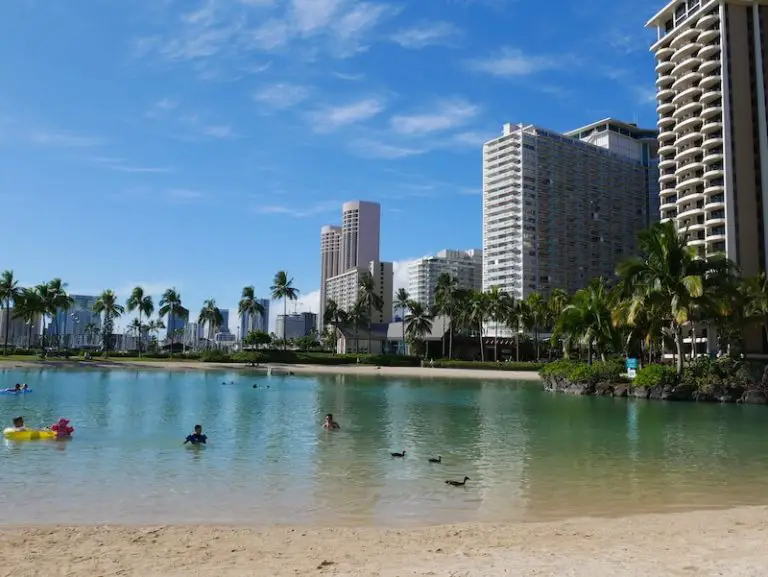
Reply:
x=360, y=233
x=713, y=136
x=330, y=263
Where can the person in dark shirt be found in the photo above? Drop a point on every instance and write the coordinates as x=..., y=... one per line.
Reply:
x=197, y=438
x=330, y=423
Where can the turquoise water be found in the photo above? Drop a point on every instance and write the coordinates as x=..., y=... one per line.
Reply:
x=529, y=455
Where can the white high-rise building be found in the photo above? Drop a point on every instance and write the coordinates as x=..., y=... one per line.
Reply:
x=352, y=245
x=466, y=266
x=345, y=288
x=559, y=210
x=711, y=58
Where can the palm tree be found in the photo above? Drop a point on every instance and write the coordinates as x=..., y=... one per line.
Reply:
x=250, y=306
x=142, y=303
x=334, y=316
x=478, y=314
x=418, y=321
x=170, y=305
x=513, y=319
x=672, y=277
x=108, y=306
x=447, y=304
x=137, y=328
x=403, y=304
x=29, y=307
x=537, y=307
x=558, y=300
x=588, y=319
x=370, y=299
x=155, y=326
x=57, y=300
x=357, y=318
x=211, y=316
x=10, y=291
x=90, y=330
x=282, y=288
x=755, y=291
x=497, y=302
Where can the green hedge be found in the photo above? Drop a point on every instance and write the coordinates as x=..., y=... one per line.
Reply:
x=582, y=373
x=653, y=375
x=490, y=366
x=308, y=358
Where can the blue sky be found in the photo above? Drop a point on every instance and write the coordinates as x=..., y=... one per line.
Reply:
x=202, y=144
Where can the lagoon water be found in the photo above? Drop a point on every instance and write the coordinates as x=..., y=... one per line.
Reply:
x=530, y=455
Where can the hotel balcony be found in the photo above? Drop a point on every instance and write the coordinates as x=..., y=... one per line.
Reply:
x=665, y=108
x=685, y=52
x=688, y=170
x=666, y=149
x=667, y=135
x=713, y=109
x=665, y=121
x=692, y=123
x=689, y=137
x=664, y=53
x=664, y=80
x=685, y=37
x=692, y=78
x=708, y=36
x=713, y=171
x=713, y=125
x=708, y=51
x=710, y=81
x=690, y=93
x=709, y=66
x=687, y=109
x=690, y=151
x=664, y=94
x=708, y=21
x=689, y=211
x=689, y=64
x=710, y=96
x=664, y=66
x=713, y=156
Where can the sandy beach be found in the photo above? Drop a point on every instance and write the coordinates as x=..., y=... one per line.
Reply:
x=727, y=543
x=359, y=370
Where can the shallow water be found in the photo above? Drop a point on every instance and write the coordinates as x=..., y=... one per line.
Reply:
x=529, y=455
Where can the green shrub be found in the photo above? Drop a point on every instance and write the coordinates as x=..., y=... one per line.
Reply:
x=252, y=358
x=655, y=375
x=559, y=369
x=491, y=366
x=581, y=373
x=708, y=375
x=215, y=357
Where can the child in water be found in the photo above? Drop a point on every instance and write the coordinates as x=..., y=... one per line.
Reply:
x=197, y=438
x=330, y=423
x=18, y=424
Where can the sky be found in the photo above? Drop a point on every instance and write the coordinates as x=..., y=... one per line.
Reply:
x=202, y=144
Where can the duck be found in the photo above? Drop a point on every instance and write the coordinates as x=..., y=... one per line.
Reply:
x=438, y=460
x=457, y=483
x=399, y=455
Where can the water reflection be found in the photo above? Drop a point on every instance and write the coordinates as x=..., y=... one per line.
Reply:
x=529, y=455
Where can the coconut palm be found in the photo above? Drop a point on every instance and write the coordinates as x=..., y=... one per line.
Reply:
x=282, y=288
x=357, y=317
x=107, y=306
x=57, y=300
x=513, y=319
x=155, y=326
x=91, y=330
x=672, y=277
x=557, y=301
x=418, y=321
x=537, y=307
x=10, y=291
x=170, y=306
x=447, y=299
x=250, y=306
x=334, y=316
x=403, y=304
x=138, y=301
x=478, y=313
x=210, y=315
x=498, y=302
x=29, y=307
x=370, y=299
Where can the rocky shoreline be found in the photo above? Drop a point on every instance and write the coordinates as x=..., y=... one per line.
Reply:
x=658, y=393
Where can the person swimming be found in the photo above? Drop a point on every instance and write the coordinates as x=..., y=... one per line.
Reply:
x=18, y=424
x=197, y=438
x=25, y=387
x=330, y=423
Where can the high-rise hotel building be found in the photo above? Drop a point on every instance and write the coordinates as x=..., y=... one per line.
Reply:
x=561, y=209
x=711, y=65
x=352, y=248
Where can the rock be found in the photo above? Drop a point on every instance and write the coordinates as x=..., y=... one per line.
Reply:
x=621, y=391
x=678, y=393
x=640, y=392
x=604, y=390
x=730, y=394
x=754, y=398
x=580, y=389
x=658, y=392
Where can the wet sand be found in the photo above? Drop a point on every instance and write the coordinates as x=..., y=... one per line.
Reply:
x=359, y=370
x=727, y=543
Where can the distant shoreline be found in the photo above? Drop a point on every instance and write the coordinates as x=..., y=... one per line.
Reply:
x=356, y=370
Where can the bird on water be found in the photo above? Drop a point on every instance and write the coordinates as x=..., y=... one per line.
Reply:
x=457, y=483
x=399, y=455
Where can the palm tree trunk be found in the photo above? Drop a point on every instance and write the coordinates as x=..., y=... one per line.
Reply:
x=402, y=322
x=538, y=345
x=285, y=314
x=517, y=346
x=450, y=339
x=693, y=342
x=589, y=352
x=496, y=342
x=678, y=334
x=482, y=349
x=370, y=326
x=138, y=340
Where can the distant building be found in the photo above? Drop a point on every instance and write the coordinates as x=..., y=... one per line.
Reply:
x=174, y=325
x=466, y=266
x=193, y=332
x=295, y=326
x=345, y=288
x=20, y=334
x=224, y=327
x=257, y=322
x=74, y=324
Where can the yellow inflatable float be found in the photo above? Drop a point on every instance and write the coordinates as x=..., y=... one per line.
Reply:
x=29, y=434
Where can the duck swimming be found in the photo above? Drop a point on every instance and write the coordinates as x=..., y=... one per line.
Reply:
x=438, y=460
x=457, y=483
x=399, y=455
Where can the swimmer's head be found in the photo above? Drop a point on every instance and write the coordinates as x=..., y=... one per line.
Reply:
x=198, y=429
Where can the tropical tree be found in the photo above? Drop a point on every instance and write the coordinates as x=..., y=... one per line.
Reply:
x=141, y=302
x=447, y=299
x=588, y=319
x=30, y=308
x=357, y=317
x=170, y=305
x=257, y=338
x=478, y=315
x=10, y=291
x=513, y=316
x=250, y=306
x=755, y=294
x=334, y=316
x=154, y=326
x=403, y=304
x=282, y=288
x=137, y=328
x=537, y=307
x=418, y=321
x=557, y=301
x=210, y=316
x=107, y=306
x=672, y=278
x=58, y=300
x=91, y=330
x=370, y=299
x=497, y=304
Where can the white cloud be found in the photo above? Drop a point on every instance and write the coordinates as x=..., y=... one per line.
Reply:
x=311, y=15
x=281, y=95
x=400, y=274
x=274, y=33
x=333, y=117
x=298, y=210
x=218, y=131
x=427, y=34
x=370, y=148
x=65, y=139
x=446, y=115
x=514, y=62
x=184, y=194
